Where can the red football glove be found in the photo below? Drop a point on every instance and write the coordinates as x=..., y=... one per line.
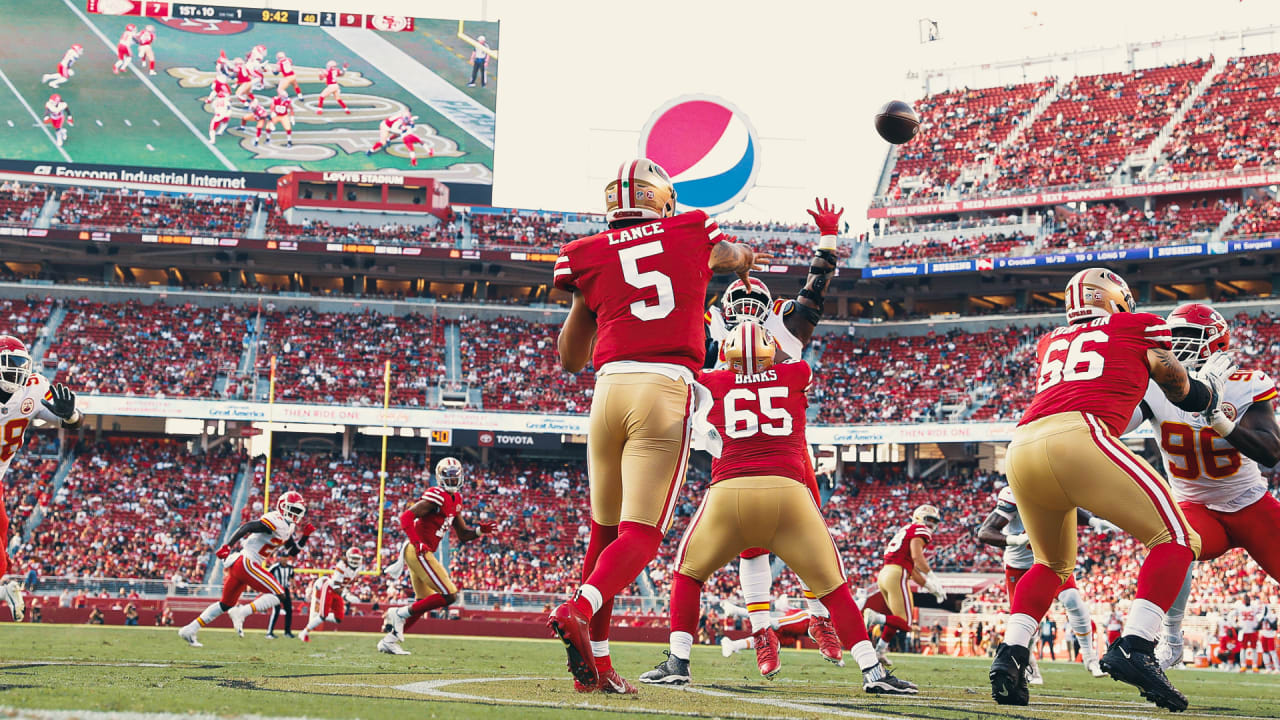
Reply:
x=487, y=528
x=223, y=552
x=827, y=218
x=306, y=529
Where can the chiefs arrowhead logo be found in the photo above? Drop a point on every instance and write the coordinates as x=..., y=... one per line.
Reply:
x=1229, y=410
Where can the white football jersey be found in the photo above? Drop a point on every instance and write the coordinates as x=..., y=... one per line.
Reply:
x=342, y=574
x=258, y=546
x=1247, y=618
x=18, y=413
x=1021, y=557
x=1202, y=467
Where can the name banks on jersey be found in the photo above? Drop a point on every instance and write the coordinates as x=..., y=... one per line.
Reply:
x=762, y=419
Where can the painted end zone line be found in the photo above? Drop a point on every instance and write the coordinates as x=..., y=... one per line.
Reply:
x=155, y=91
x=35, y=117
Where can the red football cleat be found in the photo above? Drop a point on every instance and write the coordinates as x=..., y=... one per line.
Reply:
x=573, y=628
x=767, y=652
x=611, y=683
x=823, y=632
x=579, y=687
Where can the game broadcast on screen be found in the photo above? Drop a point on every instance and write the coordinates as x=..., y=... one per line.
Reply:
x=234, y=97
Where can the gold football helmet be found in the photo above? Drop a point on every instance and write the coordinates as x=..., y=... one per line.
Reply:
x=1097, y=293
x=749, y=349
x=642, y=191
x=926, y=515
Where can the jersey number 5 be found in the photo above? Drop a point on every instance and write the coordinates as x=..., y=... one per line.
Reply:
x=660, y=283
x=743, y=422
x=1068, y=369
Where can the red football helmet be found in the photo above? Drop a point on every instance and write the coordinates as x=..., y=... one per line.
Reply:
x=746, y=301
x=1198, y=332
x=130, y=27
x=15, y=364
x=292, y=506
x=55, y=98
x=77, y=47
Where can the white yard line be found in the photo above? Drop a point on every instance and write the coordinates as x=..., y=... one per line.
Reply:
x=436, y=92
x=204, y=140
x=35, y=117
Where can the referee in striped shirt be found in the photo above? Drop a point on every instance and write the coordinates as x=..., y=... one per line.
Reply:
x=282, y=570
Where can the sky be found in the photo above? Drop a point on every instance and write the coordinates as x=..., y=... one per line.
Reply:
x=578, y=79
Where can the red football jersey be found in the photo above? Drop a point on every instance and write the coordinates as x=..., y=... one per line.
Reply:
x=647, y=285
x=898, y=551
x=434, y=526
x=1098, y=367
x=761, y=418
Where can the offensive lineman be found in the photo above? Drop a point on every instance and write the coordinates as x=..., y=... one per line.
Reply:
x=1065, y=454
x=758, y=498
x=1003, y=528
x=791, y=324
x=329, y=594
x=638, y=293
x=247, y=567
x=425, y=523
x=1212, y=463
x=24, y=396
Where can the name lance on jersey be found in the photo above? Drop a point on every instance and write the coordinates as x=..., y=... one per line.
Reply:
x=636, y=233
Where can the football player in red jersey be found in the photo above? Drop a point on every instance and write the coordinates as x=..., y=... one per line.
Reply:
x=638, y=293
x=124, y=52
x=904, y=561
x=758, y=498
x=1065, y=454
x=247, y=567
x=1213, y=463
x=791, y=324
x=425, y=523
x=24, y=396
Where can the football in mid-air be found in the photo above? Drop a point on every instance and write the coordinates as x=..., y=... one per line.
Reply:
x=897, y=122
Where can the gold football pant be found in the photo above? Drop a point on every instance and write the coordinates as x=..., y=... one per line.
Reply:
x=1069, y=460
x=895, y=587
x=427, y=574
x=638, y=447
x=768, y=511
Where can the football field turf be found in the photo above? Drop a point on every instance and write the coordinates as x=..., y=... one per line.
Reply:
x=127, y=671
x=137, y=119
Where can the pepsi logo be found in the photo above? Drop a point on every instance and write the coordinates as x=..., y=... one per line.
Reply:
x=709, y=149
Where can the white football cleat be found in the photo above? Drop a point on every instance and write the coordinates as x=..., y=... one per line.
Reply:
x=189, y=634
x=391, y=646
x=1034, y=677
x=883, y=658
x=237, y=615
x=1095, y=668
x=12, y=592
x=305, y=635
x=1169, y=652
x=726, y=647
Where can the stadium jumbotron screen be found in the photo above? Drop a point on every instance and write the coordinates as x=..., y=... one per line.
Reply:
x=216, y=96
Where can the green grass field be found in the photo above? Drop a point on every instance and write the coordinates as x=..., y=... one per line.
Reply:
x=121, y=120
x=340, y=675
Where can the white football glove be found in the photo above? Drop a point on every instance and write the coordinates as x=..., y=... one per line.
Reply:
x=1214, y=373
x=931, y=585
x=1016, y=540
x=1101, y=525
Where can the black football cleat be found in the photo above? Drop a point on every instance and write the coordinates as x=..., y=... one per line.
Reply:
x=1008, y=675
x=672, y=671
x=1133, y=660
x=887, y=684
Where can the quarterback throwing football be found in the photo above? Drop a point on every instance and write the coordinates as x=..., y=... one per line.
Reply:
x=638, y=293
